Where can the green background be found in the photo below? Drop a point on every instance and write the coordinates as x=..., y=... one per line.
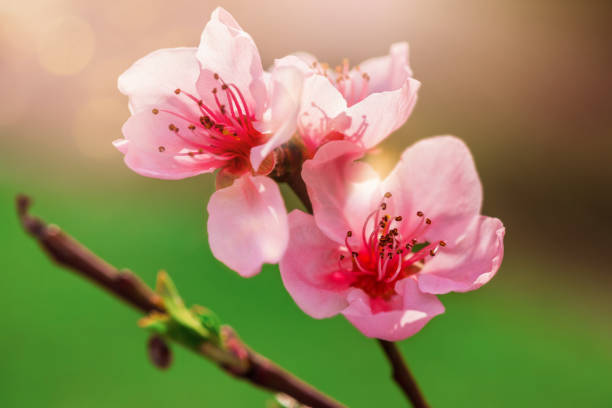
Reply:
x=516, y=342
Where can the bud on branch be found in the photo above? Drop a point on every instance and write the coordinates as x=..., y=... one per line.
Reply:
x=167, y=316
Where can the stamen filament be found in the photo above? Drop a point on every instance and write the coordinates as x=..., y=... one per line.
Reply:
x=386, y=254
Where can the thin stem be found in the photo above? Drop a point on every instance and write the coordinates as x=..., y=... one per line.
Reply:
x=236, y=358
x=402, y=375
x=298, y=186
x=289, y=159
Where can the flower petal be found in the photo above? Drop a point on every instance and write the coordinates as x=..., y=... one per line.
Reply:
x=226, y=49
x=301, y=61
x=415, y=311
x=468, y=264
x=438, y=177
x=322, y=111
x=152, y=150
x=380, y=114
x=247, y=224
x=286, y=83
x=390, y=72
x=152, y=79
x=343, y=192
x=307, y=268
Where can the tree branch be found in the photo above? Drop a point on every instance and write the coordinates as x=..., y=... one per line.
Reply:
x=236, y=358
x=296, y=183
x=289, y=159
x=402, y=375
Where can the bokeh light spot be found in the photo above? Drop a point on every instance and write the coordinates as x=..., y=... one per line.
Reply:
x=67, y=46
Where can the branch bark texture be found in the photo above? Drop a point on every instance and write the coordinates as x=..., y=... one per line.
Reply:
x=402, y=376
x=236, y=359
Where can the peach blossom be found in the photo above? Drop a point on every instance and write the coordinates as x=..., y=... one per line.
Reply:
x=364, y=104
x=378, y=251
x=197, y=110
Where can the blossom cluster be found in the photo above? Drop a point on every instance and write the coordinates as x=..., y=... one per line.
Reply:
x=376, y=251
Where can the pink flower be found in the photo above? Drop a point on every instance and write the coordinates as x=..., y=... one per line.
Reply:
x=363, y=105
x=379, y=251
x=197, y=110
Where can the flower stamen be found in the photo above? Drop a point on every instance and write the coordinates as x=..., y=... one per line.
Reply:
x=386, y=255
x=224, y=130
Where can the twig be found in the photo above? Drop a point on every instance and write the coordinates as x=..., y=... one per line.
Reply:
x=289, y=159
x=296, y=183
x=236, y=358
x=402, y=375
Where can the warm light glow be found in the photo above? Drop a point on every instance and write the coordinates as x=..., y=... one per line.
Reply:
x=97, y=124
x=382, y=160
x=67, y=46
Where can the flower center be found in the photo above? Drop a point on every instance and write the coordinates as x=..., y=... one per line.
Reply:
x=223, y=130
x=383, y=255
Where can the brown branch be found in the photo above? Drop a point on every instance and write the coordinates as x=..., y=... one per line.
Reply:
x=298, y=186
x=289, y=159
x=236, y=358
x=402, y=375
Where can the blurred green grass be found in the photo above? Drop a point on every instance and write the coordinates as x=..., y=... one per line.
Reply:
x=519, y=341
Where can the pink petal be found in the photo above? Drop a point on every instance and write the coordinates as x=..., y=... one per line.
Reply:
x=226, y=49
x=307, y=266
x=382, y=113
x=343, y=192
x=415, y=310
x=122, y=145
x=438, y=177
x=152, y=79
x=286, y=84
x=301, y=61
x=152, y=150
x=468, y=264
x=247, y=224
x=322, y=112
x=390, y=72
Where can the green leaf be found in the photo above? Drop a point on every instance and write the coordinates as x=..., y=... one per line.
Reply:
x=176, y=307
x=208, y=319
x=191, y=327
x=155, y=322
x=166, y=289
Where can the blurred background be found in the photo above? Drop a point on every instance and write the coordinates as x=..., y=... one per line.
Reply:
x=526, y=84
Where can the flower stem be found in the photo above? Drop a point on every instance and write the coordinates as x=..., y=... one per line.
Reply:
x=289, y=160
x=402, y=375
x=298, y=186
x=234, y=357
